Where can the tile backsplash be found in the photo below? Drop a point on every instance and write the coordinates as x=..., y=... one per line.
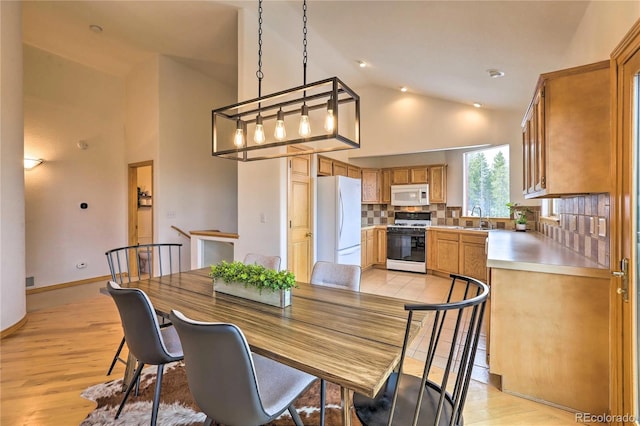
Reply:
x=584, y=226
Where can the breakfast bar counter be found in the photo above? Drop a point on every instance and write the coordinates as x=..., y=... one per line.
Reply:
x=549, y=322
x=532, y=251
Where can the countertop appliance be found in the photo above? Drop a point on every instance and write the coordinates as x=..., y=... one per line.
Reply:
x=410, y=195
x=339, y=219
x=407, y=242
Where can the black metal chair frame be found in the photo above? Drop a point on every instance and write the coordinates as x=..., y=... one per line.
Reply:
x=449, y=405
x=119, y=261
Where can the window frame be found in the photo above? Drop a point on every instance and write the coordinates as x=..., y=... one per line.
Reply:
x=465, y=207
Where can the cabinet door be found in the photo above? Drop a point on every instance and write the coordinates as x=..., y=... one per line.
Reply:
x=447, y=252
x=537, y=135
x=370, y=186
x=353, y=172
x=371, y=247
x=380, y=241
x=385, y=183
x=399, y=176
x=325, y=166
x=418, y=175
x=363, y=249
x=473, y=259
x=438, y=184
x=339, y=169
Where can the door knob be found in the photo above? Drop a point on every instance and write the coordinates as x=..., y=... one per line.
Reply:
x=308, y=234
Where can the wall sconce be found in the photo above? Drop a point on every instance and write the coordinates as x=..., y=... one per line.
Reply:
x=31, y=163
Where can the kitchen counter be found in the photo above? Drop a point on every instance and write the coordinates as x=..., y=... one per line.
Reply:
x=531, y=251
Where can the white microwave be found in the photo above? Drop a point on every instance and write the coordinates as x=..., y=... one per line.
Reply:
x=410, y=195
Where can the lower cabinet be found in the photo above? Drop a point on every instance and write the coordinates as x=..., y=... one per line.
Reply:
x=381, y=246
x=367, y=247
x=457, y=252
x=373, y=247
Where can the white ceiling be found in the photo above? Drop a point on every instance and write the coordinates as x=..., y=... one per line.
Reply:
x=436, y=48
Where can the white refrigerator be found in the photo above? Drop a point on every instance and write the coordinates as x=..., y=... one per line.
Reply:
x=339, y=219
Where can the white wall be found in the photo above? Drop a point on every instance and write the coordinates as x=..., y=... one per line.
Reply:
x=12, y=220
x=194, y=191
x=64, y=103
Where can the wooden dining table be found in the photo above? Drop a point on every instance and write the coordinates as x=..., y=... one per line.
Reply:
x=349, y=338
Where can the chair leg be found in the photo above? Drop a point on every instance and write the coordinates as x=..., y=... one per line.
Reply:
x=133, y=382
x=156, y=396
x=116, y=357
x=323, y=400
x=295, y=416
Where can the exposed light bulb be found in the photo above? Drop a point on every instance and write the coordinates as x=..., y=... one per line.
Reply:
x=258, y=135
x=305, y=127
x=280, y=133
x=329, y=121
x=238, y=138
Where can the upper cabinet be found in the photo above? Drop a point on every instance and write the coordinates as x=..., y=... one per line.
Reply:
x=438, y=184
x=371, y=182
x=409, y=175
x=566, y=133
x=330, y=167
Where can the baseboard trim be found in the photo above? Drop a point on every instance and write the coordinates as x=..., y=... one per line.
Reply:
x=15, y=327
x=65, y=285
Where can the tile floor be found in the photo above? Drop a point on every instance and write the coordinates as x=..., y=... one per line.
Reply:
x=420, y=288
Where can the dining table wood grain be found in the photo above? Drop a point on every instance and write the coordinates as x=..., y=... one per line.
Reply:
x=349, y=338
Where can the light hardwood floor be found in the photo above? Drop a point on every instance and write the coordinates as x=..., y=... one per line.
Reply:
x=70, y=338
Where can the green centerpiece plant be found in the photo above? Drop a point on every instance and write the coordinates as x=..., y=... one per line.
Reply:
x=250, y=281
x=519, y=215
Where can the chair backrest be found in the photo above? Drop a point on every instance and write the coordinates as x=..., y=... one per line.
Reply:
x=463, y=312
x=140, y=325
x=269, y=262
x=336, y=275
x=220, y=371
x=130, y=263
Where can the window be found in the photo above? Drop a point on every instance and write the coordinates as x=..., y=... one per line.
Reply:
x=486, y=182
x=550, y=208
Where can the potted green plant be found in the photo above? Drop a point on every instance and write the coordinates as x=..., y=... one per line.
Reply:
x=254, y=282
x=519, y=214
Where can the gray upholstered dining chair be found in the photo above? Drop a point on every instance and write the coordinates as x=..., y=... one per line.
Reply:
x=130, y=263
x=149, y=343
x=230, y=384
x=269, y=262
x=336, y=275
x=438, y=397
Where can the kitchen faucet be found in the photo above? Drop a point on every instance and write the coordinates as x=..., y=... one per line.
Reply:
x=481, y=222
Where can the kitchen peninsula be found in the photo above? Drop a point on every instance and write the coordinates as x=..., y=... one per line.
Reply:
x=549, y=337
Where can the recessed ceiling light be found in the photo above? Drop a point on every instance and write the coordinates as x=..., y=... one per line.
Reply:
x=362, y=64
x=494, y=73
x=403, y=89
x=477, y=104
x=95, y=28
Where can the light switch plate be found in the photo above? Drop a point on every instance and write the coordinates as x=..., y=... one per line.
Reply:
x=602, y=227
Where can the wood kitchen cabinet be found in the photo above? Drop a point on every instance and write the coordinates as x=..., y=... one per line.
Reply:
x=446, y=252
x=385, y=186
x=370, y=186
x=438, y=184
x=566, y=133
x=473, y=256
x=367, y=247
x=409, y=175
x=457, y=252
x=330, y=167
x=381, y=246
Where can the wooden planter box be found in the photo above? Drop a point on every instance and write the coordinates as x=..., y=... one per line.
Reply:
x=280, y=298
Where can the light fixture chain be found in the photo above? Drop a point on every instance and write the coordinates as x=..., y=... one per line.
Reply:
x=259, y=73
x=304, y=40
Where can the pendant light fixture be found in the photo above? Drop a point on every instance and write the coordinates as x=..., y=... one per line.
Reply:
x=328, y=114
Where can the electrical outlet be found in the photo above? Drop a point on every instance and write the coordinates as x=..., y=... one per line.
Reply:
x=592, y=225
x=602, y=227
x=263, y=218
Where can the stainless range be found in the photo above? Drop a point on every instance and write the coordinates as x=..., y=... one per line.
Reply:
x=406, y=242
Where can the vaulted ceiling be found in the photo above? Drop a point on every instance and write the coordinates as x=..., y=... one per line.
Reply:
x=435, y=48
